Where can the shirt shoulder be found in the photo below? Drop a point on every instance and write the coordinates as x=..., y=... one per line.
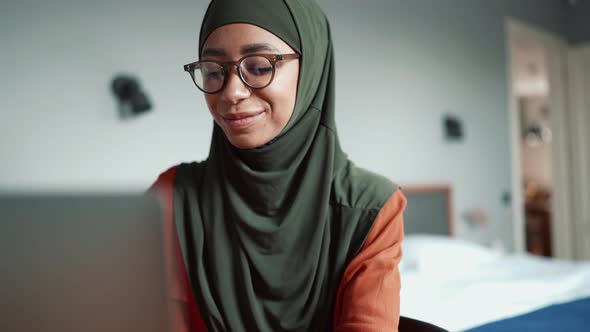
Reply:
x=167, y=179
x=358, y=188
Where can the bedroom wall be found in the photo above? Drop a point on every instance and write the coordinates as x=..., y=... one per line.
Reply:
x=436, y=58
x=402, y=65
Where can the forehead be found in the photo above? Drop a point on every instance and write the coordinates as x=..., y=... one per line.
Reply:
x=232, y=37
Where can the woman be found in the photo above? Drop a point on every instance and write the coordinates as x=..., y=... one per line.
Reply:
x=277, y=230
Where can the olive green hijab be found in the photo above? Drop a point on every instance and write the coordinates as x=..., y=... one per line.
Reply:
x=267, y=232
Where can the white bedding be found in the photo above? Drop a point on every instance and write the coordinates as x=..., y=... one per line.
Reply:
x=458, y=285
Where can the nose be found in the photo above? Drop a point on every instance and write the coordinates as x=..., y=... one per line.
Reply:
x=235, y=90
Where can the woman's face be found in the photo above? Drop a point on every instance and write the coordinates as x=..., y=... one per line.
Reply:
x=251, y=117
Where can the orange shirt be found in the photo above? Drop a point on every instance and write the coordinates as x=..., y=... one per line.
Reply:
x=368, y=298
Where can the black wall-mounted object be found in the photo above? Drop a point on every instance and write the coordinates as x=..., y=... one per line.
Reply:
x=453, y=128
x=132, y=100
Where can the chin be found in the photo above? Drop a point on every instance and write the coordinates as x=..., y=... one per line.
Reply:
x=245, y=143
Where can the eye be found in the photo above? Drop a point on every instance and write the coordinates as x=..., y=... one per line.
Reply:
x=257, y=66
x=214, y=75
x=211, y=71
x=259, y=71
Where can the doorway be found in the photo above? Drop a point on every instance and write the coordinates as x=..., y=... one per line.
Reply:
x=540, y=157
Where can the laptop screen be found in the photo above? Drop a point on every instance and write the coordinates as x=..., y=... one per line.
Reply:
x=82, y=263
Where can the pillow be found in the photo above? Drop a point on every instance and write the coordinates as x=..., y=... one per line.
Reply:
x=438, y=253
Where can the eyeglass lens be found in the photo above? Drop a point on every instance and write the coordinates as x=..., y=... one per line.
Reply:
x=255, y=71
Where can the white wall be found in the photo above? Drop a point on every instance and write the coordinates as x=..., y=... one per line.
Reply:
x=418, y=60
x=59, y=124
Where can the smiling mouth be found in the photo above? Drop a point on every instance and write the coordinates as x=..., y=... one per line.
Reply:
x=240, y=121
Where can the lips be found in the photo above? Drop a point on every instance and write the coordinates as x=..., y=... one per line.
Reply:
x=242, y=119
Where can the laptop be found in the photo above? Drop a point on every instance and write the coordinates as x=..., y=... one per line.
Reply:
x=73, y=263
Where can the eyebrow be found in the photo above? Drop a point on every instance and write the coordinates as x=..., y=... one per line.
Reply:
x=245, y=49
x=213, y=52
x=253, y=48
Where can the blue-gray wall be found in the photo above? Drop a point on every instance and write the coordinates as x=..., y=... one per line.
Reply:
x=401, y=65
x=420, y=60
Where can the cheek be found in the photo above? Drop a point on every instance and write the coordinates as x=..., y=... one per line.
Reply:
x=281, y=104
x=212, y=101
x=282, y=98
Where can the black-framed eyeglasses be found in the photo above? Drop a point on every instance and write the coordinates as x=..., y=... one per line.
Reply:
x=256, y=71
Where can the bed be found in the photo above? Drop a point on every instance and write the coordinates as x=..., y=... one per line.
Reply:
x=462, y=286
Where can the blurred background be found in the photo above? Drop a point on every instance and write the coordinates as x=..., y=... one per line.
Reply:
x=474, y=96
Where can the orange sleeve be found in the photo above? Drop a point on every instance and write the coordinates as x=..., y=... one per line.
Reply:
x=185, y=315
x=368, y=298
